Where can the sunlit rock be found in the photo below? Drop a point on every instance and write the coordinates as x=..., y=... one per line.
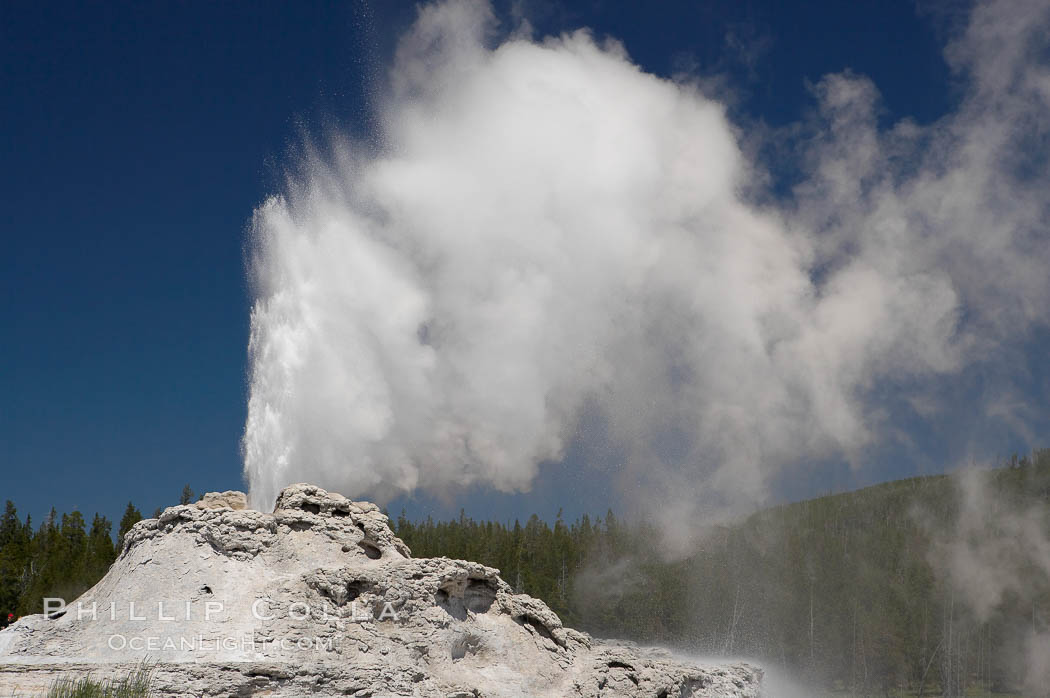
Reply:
x=321, y=598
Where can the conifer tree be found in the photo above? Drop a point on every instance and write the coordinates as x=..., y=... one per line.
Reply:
x=12, y=559
x=131, y=517
x=100, y=553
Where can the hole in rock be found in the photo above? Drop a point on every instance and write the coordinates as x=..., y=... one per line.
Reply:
x=341, y=513
x=206, y=589
x=311, y=507
x=479, y=595
x=355, y=589
x=627, y=667
x=541, y=629
x=347, y=593
x=451, y=605
x=371, y=551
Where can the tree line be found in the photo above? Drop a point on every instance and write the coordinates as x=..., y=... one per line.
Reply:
x=63, y=557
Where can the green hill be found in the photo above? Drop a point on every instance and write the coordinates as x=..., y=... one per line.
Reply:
x=840, y=590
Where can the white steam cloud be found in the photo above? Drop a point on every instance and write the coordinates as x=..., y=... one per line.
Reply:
x=999, y=550
x=547, y=230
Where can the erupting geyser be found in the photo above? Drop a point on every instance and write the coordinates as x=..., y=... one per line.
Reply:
x=542, y=228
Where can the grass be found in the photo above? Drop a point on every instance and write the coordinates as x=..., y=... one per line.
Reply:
x=137, y=684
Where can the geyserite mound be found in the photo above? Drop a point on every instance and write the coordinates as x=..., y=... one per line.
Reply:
x=321, y=598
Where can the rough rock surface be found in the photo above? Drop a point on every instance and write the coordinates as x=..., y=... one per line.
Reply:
x=229, y=499
x=321, y=598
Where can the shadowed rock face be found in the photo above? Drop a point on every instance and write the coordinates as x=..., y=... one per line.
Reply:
x=321, y=598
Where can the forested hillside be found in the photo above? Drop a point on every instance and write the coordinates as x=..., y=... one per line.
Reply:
x=839, y=589
x=62, y=558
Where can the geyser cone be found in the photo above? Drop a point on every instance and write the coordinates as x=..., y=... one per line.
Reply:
x=321, y=597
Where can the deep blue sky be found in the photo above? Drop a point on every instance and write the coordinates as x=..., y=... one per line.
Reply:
x=136, y=138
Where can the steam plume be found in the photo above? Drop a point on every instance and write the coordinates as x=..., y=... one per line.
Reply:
x=998, y=551
x=547, y=229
